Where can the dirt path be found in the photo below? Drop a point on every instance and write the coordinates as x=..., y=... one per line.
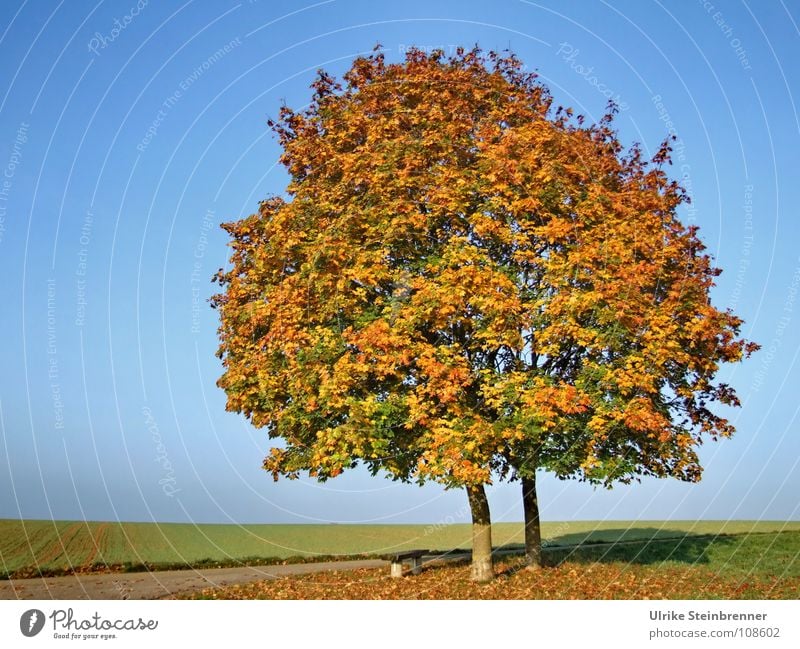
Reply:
x=152, y=585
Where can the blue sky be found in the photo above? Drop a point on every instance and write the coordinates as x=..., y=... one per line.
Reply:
x=129, y=131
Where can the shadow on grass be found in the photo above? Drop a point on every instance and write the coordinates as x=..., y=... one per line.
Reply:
x=645, y=546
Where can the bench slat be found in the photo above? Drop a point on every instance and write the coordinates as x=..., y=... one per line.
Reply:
x=411, y=554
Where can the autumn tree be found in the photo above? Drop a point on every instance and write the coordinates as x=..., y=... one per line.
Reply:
x=625, y=343
x=463, y=283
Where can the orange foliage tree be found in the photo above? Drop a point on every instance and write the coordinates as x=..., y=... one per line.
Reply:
x=465, y=283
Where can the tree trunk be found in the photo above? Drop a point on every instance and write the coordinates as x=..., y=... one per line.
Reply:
x=533, y=529
x=482, y=569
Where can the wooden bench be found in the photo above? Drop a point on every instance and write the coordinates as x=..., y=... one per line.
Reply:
x=415, y=556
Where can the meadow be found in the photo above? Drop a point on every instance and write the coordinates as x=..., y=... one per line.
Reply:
x=33, y=547
x=761, y=565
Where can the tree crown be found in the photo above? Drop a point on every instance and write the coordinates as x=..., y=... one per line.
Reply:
x=464, y=279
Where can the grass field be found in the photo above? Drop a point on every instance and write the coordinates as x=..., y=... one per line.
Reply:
x=737, y=566
x=47, y=547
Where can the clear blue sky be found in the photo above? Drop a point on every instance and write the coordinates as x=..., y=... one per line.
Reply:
x=124, y=144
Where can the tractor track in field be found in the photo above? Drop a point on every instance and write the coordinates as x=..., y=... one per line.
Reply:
x=98, y=539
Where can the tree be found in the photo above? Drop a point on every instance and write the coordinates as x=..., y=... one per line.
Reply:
x=627, y=342
x=463, y=282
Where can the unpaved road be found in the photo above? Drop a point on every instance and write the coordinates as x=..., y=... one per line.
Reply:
x=152, y=585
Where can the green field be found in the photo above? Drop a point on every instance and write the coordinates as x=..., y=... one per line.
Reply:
x=30, y=547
